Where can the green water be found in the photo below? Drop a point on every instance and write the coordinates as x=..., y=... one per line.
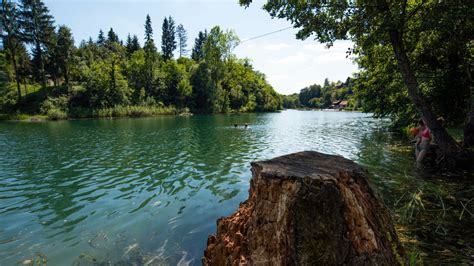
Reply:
x=150, y=190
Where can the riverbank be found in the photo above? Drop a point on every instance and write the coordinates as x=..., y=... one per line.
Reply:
x=359, y=110
x=132, y=111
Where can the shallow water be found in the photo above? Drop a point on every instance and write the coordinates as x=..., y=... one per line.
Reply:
x=149, y=191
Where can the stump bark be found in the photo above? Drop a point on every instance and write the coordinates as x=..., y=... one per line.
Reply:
x=307, y=208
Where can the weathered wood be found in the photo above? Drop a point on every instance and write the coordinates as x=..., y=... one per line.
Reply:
x=307, y=208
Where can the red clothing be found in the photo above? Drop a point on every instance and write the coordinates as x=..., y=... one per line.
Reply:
x=426, y=133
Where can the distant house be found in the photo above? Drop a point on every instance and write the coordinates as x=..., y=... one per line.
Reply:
x=340, y=104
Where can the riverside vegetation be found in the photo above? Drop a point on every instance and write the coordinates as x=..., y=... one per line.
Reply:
x=415, y=58
x=107, y=77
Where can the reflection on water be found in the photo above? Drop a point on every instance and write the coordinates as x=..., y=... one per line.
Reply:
x=150, y=190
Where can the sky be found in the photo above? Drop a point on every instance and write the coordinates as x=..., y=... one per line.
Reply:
x=289, y=64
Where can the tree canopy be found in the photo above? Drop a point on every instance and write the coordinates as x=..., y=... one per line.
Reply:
x=399, y=25
x=108, y=77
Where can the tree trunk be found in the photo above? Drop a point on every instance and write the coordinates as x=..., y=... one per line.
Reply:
x=41, y=67
x=307, y=208
x=17, y=76
x=469, y=127
x=447, y=144
x=66, y=75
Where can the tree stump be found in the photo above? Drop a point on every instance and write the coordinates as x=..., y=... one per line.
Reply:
x=307, y=208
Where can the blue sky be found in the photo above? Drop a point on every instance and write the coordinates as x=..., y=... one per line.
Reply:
x=289, y=64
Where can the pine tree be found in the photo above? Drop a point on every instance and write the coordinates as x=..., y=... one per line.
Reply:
x=51, y=58
x=182, y=38
x=64, y=51
x=38, y=28
x=11, y=36
x=168, y=42
x=128, y=45
x=112, y=37
x=135, y=43
x=132, y=44
x=150, y=54
x=101, y=38
x=198, y=53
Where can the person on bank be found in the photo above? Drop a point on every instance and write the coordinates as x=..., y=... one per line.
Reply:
x=424, y=144
x=417, y=132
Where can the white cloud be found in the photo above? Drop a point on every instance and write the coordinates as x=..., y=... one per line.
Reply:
x=277, y=78
x=298, y=64
x=299, y=57
x=314, y=47
x=330, y=57
x=276, y=47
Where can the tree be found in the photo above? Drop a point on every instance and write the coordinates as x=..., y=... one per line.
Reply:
x=217, y=51
x=112, y=37
x=197, y=53
x=168, y=41
x=368, y=24
x=65, y=51
x=132, y=44
x=101, y=38
x=24, y=65
x=128, y=44
x=11, y=36
x=135, y=43
x=136, y=76
x=182, y=39
x=150, y=55
x=38, y=28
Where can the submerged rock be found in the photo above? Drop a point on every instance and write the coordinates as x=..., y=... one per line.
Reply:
x=307, y=208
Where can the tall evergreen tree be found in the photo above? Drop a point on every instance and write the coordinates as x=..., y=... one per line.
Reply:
x=198, y=52
x=182, y=39
x=128, y=44
x=112, y=37
x=135, y=44
x=132, y=44
x=51, y=58
x=150, y=55
x=168, y=41
x=38, y=28
x=101, y=38
x=23, y=63
x=11, y=36
x=64, y=51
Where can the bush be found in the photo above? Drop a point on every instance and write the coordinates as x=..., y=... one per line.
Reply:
x=134, y=111
x=56, y=114
x=55, y=105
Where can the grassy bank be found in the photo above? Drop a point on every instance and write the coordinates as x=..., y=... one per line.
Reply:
x=112, y=112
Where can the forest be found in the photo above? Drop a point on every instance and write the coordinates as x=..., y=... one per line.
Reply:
x=43, y=72
x=323, y=97
x=415, y=59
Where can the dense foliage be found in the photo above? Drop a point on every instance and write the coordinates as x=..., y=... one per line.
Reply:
x=329, y=95
x=419, y=50
x=440, y=49
x=61, y=80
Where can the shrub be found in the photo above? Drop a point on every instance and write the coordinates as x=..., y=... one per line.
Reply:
x=56, y=114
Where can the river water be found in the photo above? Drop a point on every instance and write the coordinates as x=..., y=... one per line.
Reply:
x=148, y=191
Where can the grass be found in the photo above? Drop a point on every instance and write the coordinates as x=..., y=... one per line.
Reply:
x=134, y=111
x=21, y=117
x=112, y=112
